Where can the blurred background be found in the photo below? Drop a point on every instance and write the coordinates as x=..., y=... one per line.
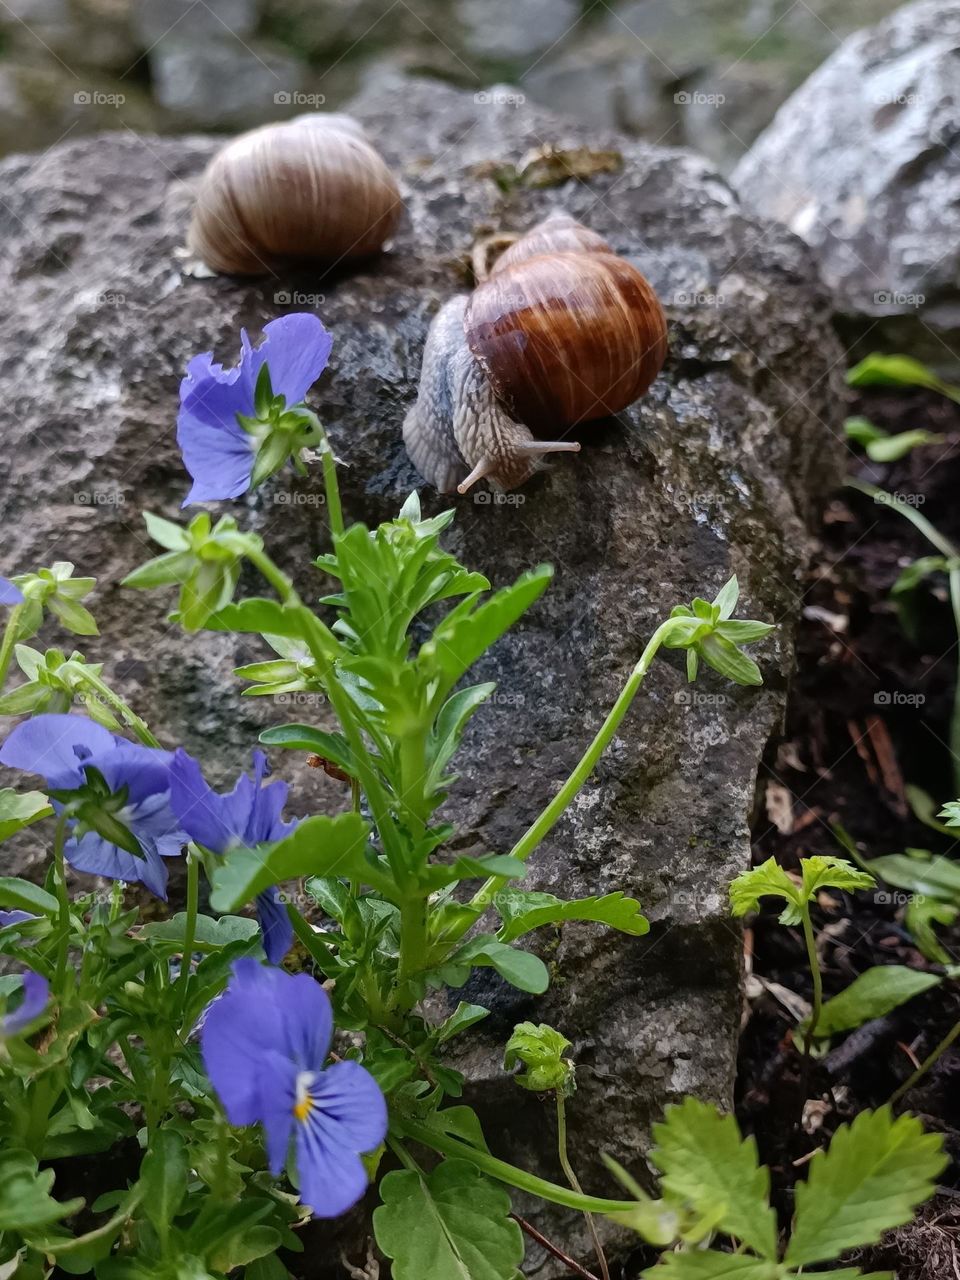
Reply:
x=704, y=73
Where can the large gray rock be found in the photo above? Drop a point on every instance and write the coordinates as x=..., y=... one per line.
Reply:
x=715, y=471
x=863, y=162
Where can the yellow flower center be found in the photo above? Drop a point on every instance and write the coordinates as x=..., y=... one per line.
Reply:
x=304, y=1103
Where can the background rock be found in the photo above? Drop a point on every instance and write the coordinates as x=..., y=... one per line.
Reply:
x=691, y=72
x=714, y=472
x=864, y=163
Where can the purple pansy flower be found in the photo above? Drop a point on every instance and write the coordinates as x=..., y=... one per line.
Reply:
x=14, y=917
x=9, y=593
x=246, y=816
x=224, y=423
x=264, y=1043
x=61, y=748
x=36, y=994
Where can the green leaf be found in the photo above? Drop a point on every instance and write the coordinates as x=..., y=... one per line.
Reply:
x=22, y=895
x=871, y=995
x=539, y=1050
x=462, y=637
x=895, y=447
x=464, y=1016
x=724, y=656
x=162, y=571
x=522, y=969
x=163, y=1179
x=931, y=877
x=25, y=1201
x=318, y=846
x=727, y=597
x=209, y=932
x=303, y=737
x=523, y=912
x=769, y=880
x=824, y=871
x=170, y=536
x=862, y=431
x=448, y=730
x=919, y=919
x=879, y=370
x=871, y=1178
x=705, y=1161
x=708, y=1264
x=450, y=1224
x=21, y=809
x=259, y=616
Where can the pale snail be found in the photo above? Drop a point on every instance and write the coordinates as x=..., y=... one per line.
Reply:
x=562, y=331
x=310, y=188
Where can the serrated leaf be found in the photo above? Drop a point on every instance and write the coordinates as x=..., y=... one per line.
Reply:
x=871, y=995
x=825, y=871
x=523, y=912
x=769, y=880
x=450, y=1224
x=705, y=1161
x=257, y=615
x=870, y=1179
x=25, y=1201
x=318, y=846
x=21, y=809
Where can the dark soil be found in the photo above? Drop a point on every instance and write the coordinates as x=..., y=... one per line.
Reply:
x=869, y=718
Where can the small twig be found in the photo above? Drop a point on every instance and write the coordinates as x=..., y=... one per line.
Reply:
x=529, y=1229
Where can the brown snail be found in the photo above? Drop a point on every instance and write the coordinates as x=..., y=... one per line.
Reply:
x=562, y=331
x=309, y=188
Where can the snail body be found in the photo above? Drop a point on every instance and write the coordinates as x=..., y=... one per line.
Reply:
x=310, y=188
x=561, y=332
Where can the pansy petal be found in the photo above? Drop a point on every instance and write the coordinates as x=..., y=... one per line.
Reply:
x=296, y=348
x=54, y=745
x=10, y=594
x=352, y=1106
x=218, y=822
x=8, y=918
x=98, y=857
x=275, y=925
x=277, y=1093
x=238, y=1031
x=36, y=994
x=214, y=395
x=144, y=771
x=332, y=1179
x=219, y=458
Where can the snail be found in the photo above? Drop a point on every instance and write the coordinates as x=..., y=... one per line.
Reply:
x=561, y=331
x=309, y=188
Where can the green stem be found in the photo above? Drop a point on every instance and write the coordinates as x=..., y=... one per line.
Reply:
x=190, y=928
x=571, y=1177
x=954, y=577
x=118, y=704
x=413, y=947
x=9, y=640
x=554, y=810
x=275, y=576
x=404, y=1156
x=510, y=1174
x=332, y=488
x=811, y=945
x=926, y=1064
x=63, y=898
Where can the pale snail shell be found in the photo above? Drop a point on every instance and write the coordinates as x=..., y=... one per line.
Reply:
x=310, y=188
x=561, y=332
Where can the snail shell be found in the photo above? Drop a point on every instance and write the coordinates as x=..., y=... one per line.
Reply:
x=309, y=188
x=561, y=332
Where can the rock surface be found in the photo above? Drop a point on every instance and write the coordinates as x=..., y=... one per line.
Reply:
x=863, y=162
x=714, y=472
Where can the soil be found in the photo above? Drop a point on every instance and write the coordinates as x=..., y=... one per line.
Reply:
x=869, y=718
